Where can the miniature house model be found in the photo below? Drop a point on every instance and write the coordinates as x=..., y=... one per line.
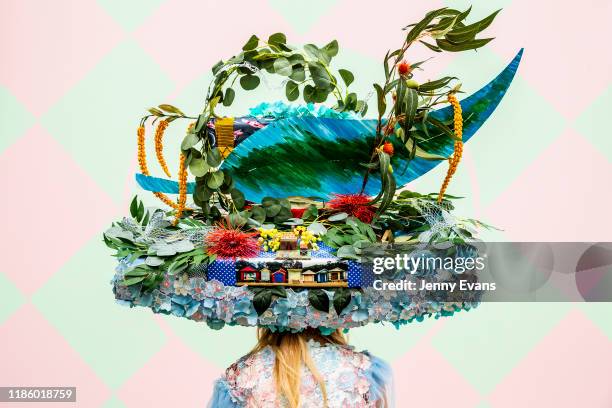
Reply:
x=249, y=274
x=322, y=276
x=264, y=275
x=308, y=276
x=295, y=275
x=288, y=242
x=336, y=274
x=280, y=276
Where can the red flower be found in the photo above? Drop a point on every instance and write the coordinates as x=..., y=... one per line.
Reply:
x=388, y=148
x=298, y=212
x=403, y=68
x=355, y=205
x=228, y=242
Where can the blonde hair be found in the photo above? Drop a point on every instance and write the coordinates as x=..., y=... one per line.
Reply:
x=291, y=352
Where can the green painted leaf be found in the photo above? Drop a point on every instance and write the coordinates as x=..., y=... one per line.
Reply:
x=342, y=298
x=319, y=300
x=261, y=301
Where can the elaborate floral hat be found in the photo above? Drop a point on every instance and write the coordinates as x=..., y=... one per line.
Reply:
x=277, y=211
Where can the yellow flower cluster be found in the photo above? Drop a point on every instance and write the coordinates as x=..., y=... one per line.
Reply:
x=307, y=237
x=182, y=189
x=159, y=146
x=456, y=157
x=269, y=239
x=142, y=154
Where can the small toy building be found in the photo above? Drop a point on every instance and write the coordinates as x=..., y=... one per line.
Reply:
x=249, y=274
x=264, y=275
x=303, y=248
x=308, y=276
x=336, y=274
x=322, y=276
x=288, y=242
x=280, y=276
x=295, y=275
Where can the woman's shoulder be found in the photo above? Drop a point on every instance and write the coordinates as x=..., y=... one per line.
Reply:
x=357, y=373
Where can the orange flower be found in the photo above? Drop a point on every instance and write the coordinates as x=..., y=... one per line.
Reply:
x=388, y=148
x=404, y=68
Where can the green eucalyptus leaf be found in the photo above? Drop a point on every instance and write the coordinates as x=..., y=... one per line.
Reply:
x=198, y=167
x=292, y=91
x=298, y=73
x=269, y=201
x=213, y=158
x=189, y=141
x=229, y=97
x=251, y=44
x=331, y=49
x=347, y=252
x=273, y=210
x=238, y=198
x=277, y=38
x=319, y=75
x=309, y=93
x=202, y=192
x=258, y=214
x=338, y=217
x=215, y=179
x=249, y=82
x=347, y=76
x=282, y=66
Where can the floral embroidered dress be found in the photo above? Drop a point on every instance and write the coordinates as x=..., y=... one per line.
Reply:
x=352, y=379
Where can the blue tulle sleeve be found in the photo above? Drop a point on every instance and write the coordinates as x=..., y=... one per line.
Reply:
x=222, y=397
x=380, y=377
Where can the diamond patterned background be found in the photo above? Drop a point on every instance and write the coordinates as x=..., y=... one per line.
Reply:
x=77, y=75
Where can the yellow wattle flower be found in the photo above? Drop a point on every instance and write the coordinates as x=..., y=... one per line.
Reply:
x=458, y=147
x=142, y=163
x=182, y=189
x=159, y=147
